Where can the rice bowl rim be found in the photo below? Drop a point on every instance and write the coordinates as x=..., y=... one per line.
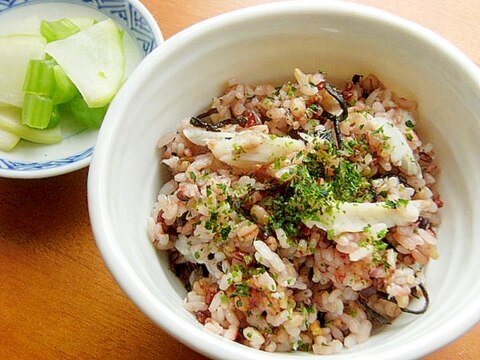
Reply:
x=194, y=336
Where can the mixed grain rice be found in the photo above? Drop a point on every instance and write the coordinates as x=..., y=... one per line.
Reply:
x=290, y=234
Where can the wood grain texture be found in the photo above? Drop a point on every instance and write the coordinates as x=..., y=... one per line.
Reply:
x=58, y=300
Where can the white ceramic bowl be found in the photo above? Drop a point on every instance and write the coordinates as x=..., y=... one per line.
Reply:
x=264, y=44
x=142, y=35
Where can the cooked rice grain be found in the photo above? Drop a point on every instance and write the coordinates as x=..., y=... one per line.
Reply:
x=240, y=220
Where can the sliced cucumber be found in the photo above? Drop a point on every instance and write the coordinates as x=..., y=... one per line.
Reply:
x=64, y=90
x=10, y=120
x=29, y=25
x=15, y=53
x=8, y=140
x=83, y=22
x=58, y=30
x=40, y=78
x=94, y=60
x=36, y=111
x=91, y=118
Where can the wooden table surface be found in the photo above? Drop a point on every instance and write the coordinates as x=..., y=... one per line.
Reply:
x=58, y=300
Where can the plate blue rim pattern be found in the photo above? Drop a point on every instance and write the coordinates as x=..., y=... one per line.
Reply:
x=126, y=15
x=22, y=166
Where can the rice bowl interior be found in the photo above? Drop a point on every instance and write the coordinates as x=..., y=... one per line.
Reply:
x=178, y=80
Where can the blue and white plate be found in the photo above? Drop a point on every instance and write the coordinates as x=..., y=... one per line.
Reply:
x=142, y=35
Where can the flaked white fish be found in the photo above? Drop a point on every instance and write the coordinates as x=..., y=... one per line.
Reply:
x=396, y=144
x=244, y=148
x=354, y=217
